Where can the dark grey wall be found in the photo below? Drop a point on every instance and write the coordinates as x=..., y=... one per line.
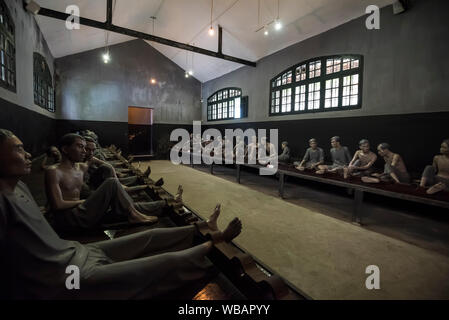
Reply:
x=36, y=131
x=417, y=137
x=406, y=67
x=94, y=91
x=96, y=96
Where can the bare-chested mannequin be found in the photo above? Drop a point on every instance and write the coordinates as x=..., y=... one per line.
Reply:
x=313, y=158
x=394, y=169
x=436, y=176
x=362, y=162
x=142, y=265
x=63, y=184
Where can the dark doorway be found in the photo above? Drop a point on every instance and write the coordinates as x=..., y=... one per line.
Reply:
x=140, y=128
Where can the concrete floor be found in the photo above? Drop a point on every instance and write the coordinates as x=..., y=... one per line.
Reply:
x=309, y=240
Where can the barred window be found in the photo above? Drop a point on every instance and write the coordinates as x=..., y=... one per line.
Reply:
x=44, y=93
x=224, y=104
x=319, y=84
x=7, y=50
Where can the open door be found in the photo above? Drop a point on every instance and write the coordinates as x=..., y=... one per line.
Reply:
x=140, y=129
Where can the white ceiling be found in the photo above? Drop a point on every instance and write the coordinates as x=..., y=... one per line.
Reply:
x=188, y=21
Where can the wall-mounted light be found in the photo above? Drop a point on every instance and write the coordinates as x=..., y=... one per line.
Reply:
x=186, y=74
x=153, y=81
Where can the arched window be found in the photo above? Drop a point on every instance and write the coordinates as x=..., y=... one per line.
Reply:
x=7, y=50
x=320, y=84
x=44, y=93
x=225, y=104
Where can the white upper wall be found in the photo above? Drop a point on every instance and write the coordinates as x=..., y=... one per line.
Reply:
x=405, y=65
x=187, y=21
x=28, y=39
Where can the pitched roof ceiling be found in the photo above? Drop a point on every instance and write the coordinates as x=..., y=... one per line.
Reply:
x=188, y=21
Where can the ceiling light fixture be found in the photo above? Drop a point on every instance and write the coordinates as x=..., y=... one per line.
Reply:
x=106, y=56
x=191, y=66
x=153, y=18
x=277, y=24
x=211, y=29
x=277, y=21
x=265, y=27
x=187, y=73
x=265, y=32
x=153, y=81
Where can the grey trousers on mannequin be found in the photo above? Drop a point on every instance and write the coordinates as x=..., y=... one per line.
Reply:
x=109, y=203
x=432, y=178
x=103, y=172
x=127, y=181
x=361, y=173
x=99, y=175
x=144, y=265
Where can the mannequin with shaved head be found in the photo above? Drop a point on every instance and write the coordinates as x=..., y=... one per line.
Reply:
x=394, y=169
x=340, y=157
x=362, y=162
x=34, y=260
x=313, y=158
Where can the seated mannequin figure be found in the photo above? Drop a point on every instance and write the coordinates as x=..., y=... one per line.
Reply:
x=143, y=265
x=240, y=150
x=219, y=145
x=312, y=159
x=196, y=143
x=362, y=163
x=99, y=154
x=270, y=150
x=52, y=156
x=340, y=157
x=436, y=176
x=285, y=155
x=63, y=183
x=98, y=171
x=394, y=169
x=252, y=150
x=228, y=153
x=190, y=146
x=206, y=140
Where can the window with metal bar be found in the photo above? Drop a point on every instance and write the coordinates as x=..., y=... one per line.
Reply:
x=44, y=93
x=319, y=84
x=7, y=49
x=224, y=104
